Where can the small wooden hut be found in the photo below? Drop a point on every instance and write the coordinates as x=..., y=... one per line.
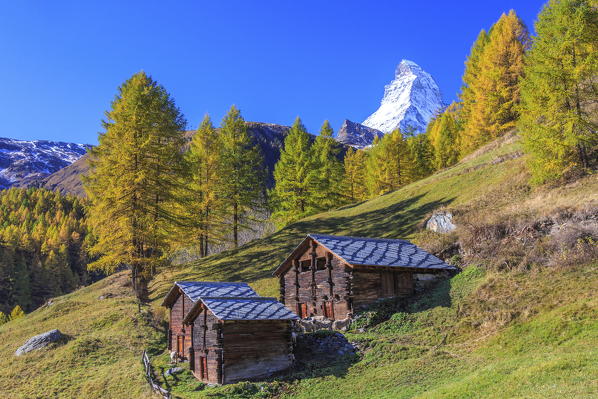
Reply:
x=181, y=298
x=333, y=276
x=236, y=339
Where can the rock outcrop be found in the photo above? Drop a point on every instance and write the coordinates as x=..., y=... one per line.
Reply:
x=441, y=222
x=356, y=135
x=40, y=341
x=316, y=323
x=322, y=346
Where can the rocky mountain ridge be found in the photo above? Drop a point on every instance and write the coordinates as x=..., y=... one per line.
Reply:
x=67, y=177
x=356, y=135
x=22, y=162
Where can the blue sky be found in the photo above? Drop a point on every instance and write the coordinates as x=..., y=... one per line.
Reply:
x=61, y=61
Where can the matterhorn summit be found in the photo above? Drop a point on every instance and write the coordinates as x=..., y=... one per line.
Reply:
x=409, y=102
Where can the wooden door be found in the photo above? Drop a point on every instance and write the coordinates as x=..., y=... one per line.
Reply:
x=180, y=341
x=203, y=367
x=404, y=284
x=329, y=310
x=387, y=284
x=302, y=310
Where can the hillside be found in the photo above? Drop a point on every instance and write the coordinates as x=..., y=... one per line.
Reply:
x=501, y=328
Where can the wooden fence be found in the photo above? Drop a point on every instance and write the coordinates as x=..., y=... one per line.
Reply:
x=149, y=376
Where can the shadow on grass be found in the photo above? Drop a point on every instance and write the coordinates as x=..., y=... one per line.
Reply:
x=258, y=259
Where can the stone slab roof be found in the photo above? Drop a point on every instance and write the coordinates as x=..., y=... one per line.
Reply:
x=380, y=252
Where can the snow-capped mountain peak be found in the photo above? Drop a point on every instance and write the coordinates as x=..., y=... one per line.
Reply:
x=410, y=100
x=22, y=162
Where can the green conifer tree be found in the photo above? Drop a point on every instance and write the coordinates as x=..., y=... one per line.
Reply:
x=421, y=155
x=242, y=180
x=21, y=278
x=134, y=178
x=444, y=137
x=355, y=181
x=559, y=122
x=495, y=89
x=203, y=208
x=294, y=185
x=389, y=164
x=471, y=74
x=327, y=170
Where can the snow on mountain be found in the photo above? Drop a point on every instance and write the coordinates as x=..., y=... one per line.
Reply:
x=410, y=100
x=356, y=135
x=23, y=162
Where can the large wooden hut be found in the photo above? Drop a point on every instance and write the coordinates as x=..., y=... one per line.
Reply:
x=236, y=339
x=181, y=298
x=333, y=276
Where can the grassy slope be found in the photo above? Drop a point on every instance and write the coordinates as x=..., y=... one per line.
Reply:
x=395, y=215
x=508, y=334
x=101, y=359
x=529, y=340
x=475, y=184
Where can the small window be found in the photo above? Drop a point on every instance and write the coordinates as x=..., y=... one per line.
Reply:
x=321, y=264
x=305, y=264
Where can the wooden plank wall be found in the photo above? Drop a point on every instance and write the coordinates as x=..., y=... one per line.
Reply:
x=369, y=285
x=207, y=342
x=254, y=349
x=177, y=313
x=304, y=284
x=176, y=321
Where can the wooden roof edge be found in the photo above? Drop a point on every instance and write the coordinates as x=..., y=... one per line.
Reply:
x=171, y=296
x=278, y=271
x=409, y=268
x=286, y=263
x=332, y=252
x=193, y=312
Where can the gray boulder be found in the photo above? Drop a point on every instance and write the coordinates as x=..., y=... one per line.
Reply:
x=306, y=325
x=40, y=341
x=441, y=222
x=341, y=325
x=321, y=323
x=173, y=370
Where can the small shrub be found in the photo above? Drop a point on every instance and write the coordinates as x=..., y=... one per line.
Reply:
x=243, y=390
x=106, y=322
x=377, y=313
x=159, y=315
x=16, y=313
x=323, y=333
x=86, y=346
x=399, y=322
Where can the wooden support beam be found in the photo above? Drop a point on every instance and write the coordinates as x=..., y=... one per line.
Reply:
x=296, y=267
x=330, y=281
x=314, y=266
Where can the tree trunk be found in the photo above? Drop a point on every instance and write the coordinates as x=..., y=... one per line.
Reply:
x=580, y=146
x=201, y=245
x=236, y=224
